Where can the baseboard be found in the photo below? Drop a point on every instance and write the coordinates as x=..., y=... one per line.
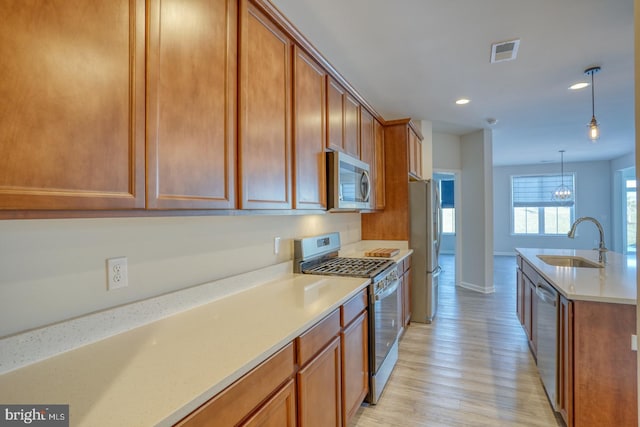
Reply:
x=505, y=253
x=477, y=288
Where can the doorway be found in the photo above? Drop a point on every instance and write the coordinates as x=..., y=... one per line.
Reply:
x=448, y=186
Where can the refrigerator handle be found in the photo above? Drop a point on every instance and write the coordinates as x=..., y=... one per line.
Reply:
x=438, y=220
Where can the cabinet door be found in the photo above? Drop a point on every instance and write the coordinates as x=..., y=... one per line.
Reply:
x=264, y=140
x=351, y=126
x=367, y=151
x=335, y=116
x=191, y=154
x=527, y=305
x=355, y=366
x=565, y=361
x=72, y=104
x=309, y=123
x=520, y=295
x=279, y=411
x=533, y=321
x=319, y=384
x=379, y=189
x=415, y=154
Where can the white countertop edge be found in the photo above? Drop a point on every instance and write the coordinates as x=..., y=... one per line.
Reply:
x=23, y=349
x=249, y=366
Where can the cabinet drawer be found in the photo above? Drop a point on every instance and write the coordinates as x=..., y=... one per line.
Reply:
x=314, y=340
x=238, y=400
x=352, y=308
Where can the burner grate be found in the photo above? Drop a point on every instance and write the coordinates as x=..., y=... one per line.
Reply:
x=356, y=267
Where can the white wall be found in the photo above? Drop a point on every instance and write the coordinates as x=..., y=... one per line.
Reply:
x=476, y=231
x=52, y=270
x=593, y=198
x=446, y=152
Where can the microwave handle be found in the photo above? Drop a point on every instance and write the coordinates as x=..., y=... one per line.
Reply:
x=367, y=177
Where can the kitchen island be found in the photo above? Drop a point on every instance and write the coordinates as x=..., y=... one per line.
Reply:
x=595, y=319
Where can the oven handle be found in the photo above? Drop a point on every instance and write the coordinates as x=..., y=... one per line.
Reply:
x=388, y=291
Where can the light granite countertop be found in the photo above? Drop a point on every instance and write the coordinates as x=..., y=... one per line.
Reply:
x=614, y=283
x=153, y=362
x=158, y=373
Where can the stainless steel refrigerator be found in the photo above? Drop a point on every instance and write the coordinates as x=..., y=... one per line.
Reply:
x=424, y=239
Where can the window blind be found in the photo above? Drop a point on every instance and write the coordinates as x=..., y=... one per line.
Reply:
x=537, y=190
x=446, y=196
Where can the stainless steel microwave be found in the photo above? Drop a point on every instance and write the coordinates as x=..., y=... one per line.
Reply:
x=349, y=185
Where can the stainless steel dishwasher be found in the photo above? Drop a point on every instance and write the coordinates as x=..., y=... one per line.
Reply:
x=547, y=325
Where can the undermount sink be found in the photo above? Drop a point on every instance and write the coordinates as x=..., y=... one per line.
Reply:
x=569, y=261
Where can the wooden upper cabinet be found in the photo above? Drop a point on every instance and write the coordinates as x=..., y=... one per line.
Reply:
x=368, y=151
x=335, y=115
x=309, y=140
x=415, y=154
x=379, y=188
x=191, y=155
x=264, y=139
x=351, y=126
x=343, y=120
x=72, y=105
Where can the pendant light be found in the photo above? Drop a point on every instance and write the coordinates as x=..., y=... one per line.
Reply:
x=562, y=192
x=594, y=130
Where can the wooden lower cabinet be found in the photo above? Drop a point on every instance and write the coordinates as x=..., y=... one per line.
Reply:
x=565, y=361
x=527, y=303
x=245, y=396
x=520, y=296
x=597, y=370
x=604, y=366
x=355, y=366
x=279, y=411
x=320, y=379
x=319, y=389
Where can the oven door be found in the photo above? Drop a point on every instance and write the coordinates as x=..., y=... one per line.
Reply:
x=385, y=323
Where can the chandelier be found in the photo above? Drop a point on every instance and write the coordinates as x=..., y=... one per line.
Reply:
x=562, y=192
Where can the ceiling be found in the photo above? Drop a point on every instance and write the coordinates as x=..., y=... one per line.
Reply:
x=414, y=58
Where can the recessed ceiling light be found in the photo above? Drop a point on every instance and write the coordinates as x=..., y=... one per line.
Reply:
x=580, y=85
x=462, y=101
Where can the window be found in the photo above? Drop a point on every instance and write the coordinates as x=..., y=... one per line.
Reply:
x=535, y=211
x=448, y=207
x=631, y=223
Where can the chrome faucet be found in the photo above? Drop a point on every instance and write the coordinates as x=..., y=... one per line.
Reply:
x=602, y=251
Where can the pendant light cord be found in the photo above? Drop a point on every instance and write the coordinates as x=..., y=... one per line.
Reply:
x=593, y=103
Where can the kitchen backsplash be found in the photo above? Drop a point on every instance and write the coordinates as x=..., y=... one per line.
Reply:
x=53, y=270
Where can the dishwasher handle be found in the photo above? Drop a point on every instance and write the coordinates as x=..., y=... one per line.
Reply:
x=550, y=296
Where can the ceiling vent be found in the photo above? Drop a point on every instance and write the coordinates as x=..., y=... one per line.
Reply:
x=504, y=51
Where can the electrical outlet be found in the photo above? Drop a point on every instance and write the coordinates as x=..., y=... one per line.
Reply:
x=634, y=342
x=117, y=274
x=276, y=245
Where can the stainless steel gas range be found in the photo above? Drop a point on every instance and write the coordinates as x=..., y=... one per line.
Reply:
x=319, y=255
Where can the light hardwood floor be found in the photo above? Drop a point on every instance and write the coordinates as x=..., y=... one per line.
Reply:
x=471, y=367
